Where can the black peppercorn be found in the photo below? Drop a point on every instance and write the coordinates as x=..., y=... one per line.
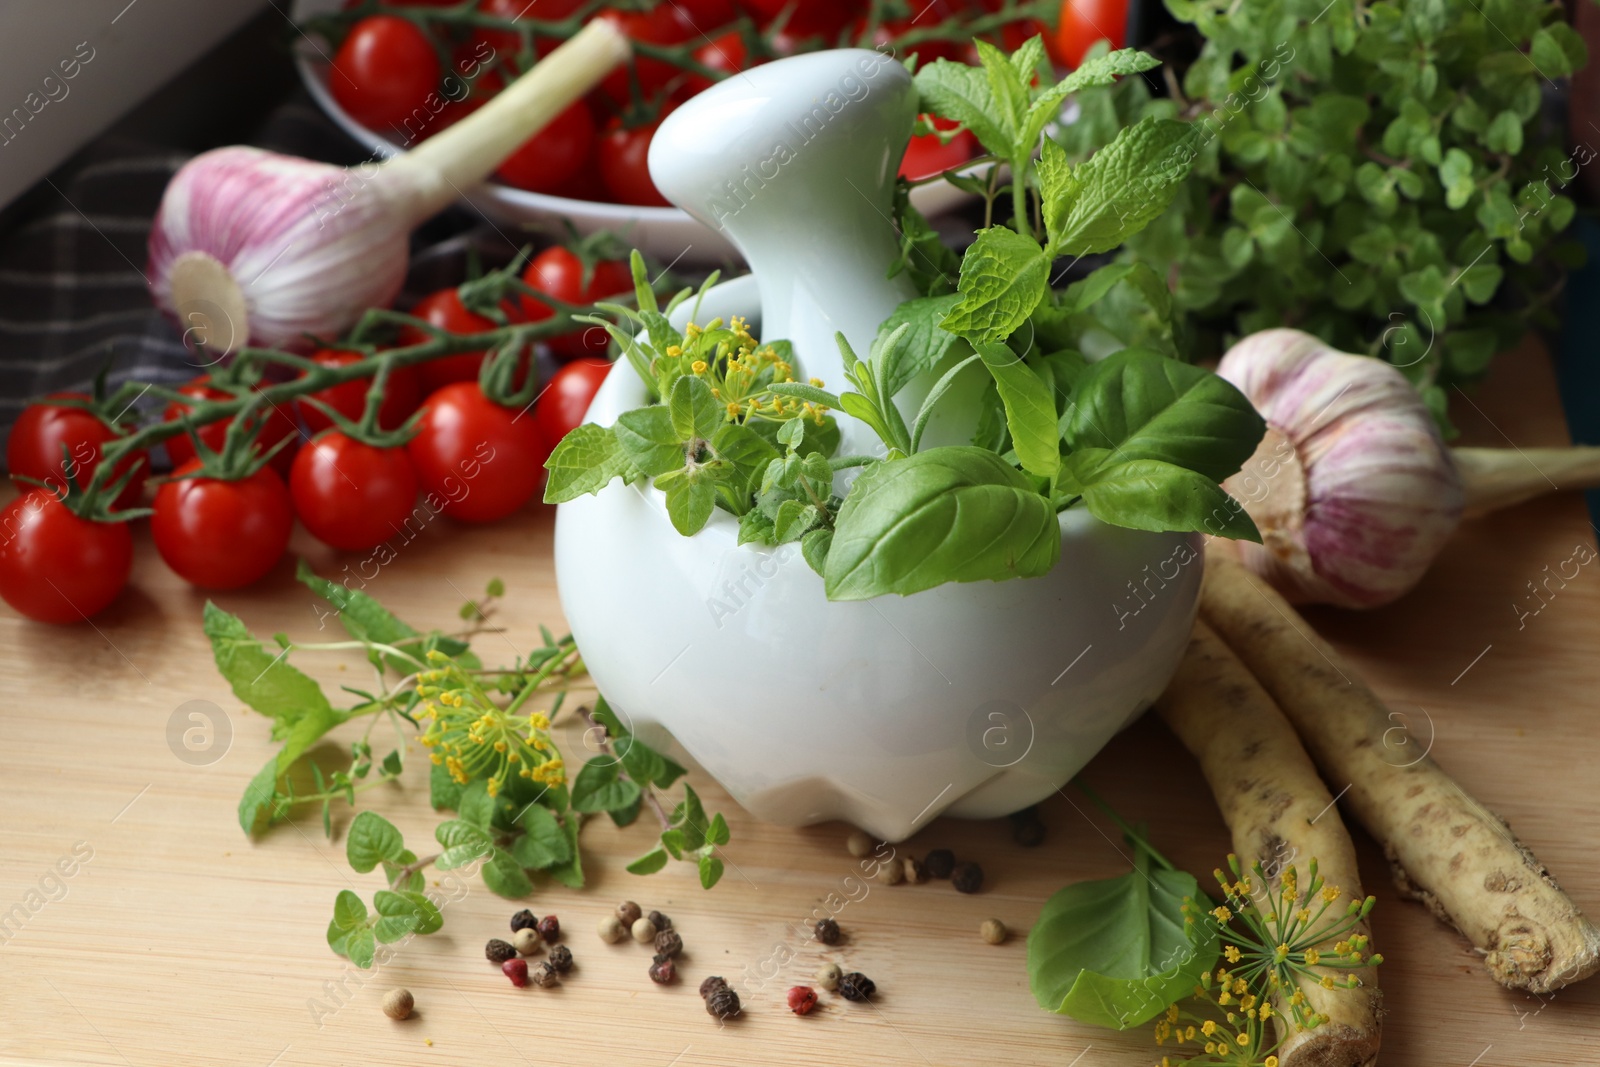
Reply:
x=498, y=951
x=549, y=928
x=628, y=913
x=723, y=1002
x=668, y=943
x=544, y=976
x=857, y=986
x=939, y=863
x=561, y=959
x=523, y=920
x=967, y=877
x=663, y=971
x=711, y=985
x=827, y=931
x=659, y=921
x=1026, y=828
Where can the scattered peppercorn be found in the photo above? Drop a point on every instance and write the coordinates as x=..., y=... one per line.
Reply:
x=660, y=920
x=644, y=931
x=914, y=871
x=545, y=976
x=628, y=913
x=561, y=959
x=517, y=971
x=498, y=951
x=668, y=943
x=967, y=877
x=828, y=976
x=611, y=930
x=527, y=941
x=712, y=984
x=802, y=998
x=722, y=1002
x=1026, y=828
x=858, y=844
x=523, y=920
x=828, y=931
x=939, y=863
x=856, y=986
x=663, y=971
x=891, y=872
x=550, y=928
x=398, y=1003
x=993, y=931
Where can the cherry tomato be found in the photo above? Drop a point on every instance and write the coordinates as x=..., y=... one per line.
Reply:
x=51, y=441
x=664, y=24
x=383, y=72
x=57, y=567
x=560, y=273
x=349, y=494
x=926, y=156
x=278, y=425
x=553, y=155
x=1083, y=22
x=402, y=392
x=476, y=460
x=566, y=399
x=725, y=54
x=810, y=17
x=625, y=165
x=218, y=534
x=708, y=15
x=926, y=14
x=445, y=310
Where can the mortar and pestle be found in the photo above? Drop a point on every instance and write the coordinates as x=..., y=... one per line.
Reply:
x=972, y=700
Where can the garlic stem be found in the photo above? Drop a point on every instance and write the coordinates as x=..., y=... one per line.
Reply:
x=435, y=173
x=1499, y=477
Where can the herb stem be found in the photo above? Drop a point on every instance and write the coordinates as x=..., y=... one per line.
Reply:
x=1134, y=836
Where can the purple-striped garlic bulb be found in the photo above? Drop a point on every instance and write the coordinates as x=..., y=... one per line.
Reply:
x=1352, y=488
x=250, y=246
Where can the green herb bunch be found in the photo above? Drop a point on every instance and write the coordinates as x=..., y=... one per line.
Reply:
x=1374, y=173
x=1140, y=439
x=495, y=761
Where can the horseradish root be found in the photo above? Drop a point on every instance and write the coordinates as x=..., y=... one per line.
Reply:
x=1280, y=815
x=1448, y=850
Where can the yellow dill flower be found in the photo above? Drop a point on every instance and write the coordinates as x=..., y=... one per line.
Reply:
x=674, y=351
x=1266, y=1009
x=1231, y=953
x=1208, y=1027
x=1270, y=1061
x=538, y=721
x=698, y=366
x=1312, y=956
x=1281, y=953
x=1327, y=981
x=1242, y=1040
x=1239, y=986
x=1222, y=913
x=1330, y=893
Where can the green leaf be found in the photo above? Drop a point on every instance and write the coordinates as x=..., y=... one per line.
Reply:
x=477, y=806
x=1504, y=133
x=814, y=548
x=362, y=616
x=425, y=913
x=585, y=462
x=1455, y=174
x=717, y=833
x=398, y=916
x=1145, y=406
x=1004, y=275
x=690, y=502
x=1092, y=72
x=1099, y=204
x=1146, y=494
x=649, y=863
x=265, y=681
x=1116, y=953
x=925, y=344
x=689, y=818
x=806, y=391
x=349, y=933
x=444, y=792
x=673, y=841
x=601, y=787
x=463, y=844
x=1030, y=410
x=413, y=881
x=505, y=877
x=695, y=412
x=953, y=514
x=372, y=840
x=710, y=870
x=645, y=765
x=543, y=843
x=648, y=437
x=962, y=93
x=570, y=873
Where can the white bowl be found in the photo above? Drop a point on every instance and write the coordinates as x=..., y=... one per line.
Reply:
x=666, y=233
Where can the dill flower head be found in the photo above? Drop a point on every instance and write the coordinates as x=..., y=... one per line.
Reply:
x=471, y=737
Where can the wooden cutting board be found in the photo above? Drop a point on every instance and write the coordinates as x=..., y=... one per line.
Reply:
x=178, y=941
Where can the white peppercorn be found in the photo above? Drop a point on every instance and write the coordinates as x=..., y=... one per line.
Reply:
x=398, y=1003
x=611, y=930
x=828, y=976
x=527, y=941
x=858, y=844
x=993, y=931
x=644, y=931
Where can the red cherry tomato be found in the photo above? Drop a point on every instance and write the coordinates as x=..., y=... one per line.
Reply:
x=708, y=15
x=926, y=14
x=51, y=441
x=553, y=155
x=560, y=273
x=1083, y=22
x=725, y=54
x=445, y=310
x=625, y=165
x=476, y=460
x=926, y=156
x=351, y=495
x=566, y=399
x=664, y=24
x=222, y=535
x=383, y=72
x=56, y=567
x=277, y=425
x=402, y=393
x=810, y=17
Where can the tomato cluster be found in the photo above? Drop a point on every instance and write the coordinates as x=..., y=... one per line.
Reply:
x=471, y=458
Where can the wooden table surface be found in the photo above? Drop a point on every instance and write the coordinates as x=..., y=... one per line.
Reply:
x=178, y=941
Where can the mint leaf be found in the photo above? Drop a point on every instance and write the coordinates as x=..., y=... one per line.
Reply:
x=1092, y=72
x=362, y=616
x=1030, y=410
x=1008, y=88
x=601, y=787
x=585, y=462
x=953, y=514
x=1004, y=276
x=263, y=680
x=1100, y=203
x=1146, y=494
x=649, y=863
x=962, y=93
x=372, y=840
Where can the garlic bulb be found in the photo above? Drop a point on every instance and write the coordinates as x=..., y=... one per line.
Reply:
x=1352, y=488
x=252, y=246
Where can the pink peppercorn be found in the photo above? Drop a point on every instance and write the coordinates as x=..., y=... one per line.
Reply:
x=802, y=998
x=517, y=971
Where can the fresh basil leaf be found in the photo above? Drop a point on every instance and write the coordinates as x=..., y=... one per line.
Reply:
x=926, y=343
x=585, y=462
x=543, y=843
x=601, y=787
x=694, y=411
x=1146, y=406
x=1004, y=276
x=372, y=840
x=648, y=437
x=649, y=863
x=1030, y=410
x=1100, y=203
x=952, y=514
x=1146, y=494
